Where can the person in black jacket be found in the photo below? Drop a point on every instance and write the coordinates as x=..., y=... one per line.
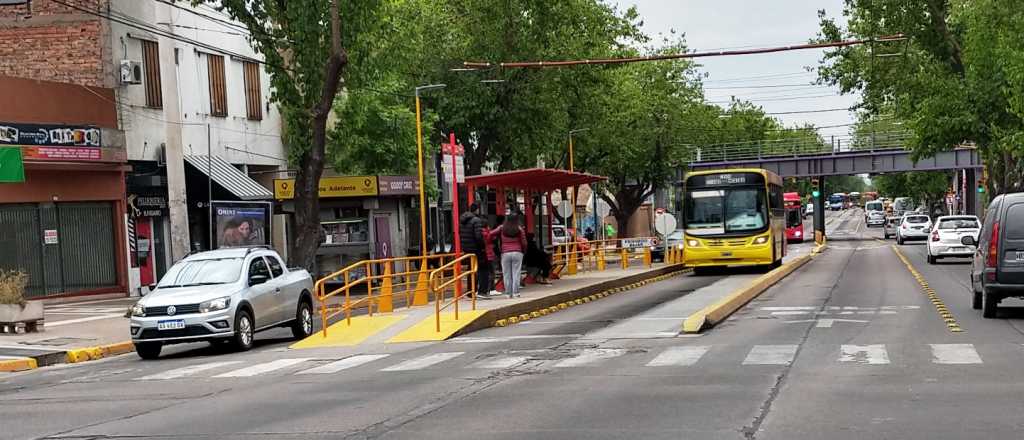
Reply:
x=471, y=237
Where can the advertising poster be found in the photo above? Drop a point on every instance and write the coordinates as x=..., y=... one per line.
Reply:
x=241, y=223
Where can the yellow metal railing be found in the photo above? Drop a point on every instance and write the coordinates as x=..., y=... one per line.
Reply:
x=593, y=254
x=454, y=283
x=383, y=278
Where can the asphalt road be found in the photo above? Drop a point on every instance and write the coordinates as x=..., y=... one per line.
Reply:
x=847, y=347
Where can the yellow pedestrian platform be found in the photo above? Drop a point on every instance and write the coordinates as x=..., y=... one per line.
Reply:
x=341, y=334
x=426, y=329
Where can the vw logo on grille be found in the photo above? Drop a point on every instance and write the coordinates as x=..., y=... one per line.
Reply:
x=171, y=310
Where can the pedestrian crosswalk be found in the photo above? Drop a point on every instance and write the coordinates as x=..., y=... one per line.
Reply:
x=681, y=356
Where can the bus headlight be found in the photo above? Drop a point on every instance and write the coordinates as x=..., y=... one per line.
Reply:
x=761, y=240
x=693, y=243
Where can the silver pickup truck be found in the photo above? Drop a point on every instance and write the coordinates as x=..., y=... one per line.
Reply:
x=225, y=295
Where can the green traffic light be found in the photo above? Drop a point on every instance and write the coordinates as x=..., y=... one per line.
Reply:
x=981, y=189
x=815, y=193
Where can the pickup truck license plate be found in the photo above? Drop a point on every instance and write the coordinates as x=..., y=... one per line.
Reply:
x=176, y=324
x=1020, y=255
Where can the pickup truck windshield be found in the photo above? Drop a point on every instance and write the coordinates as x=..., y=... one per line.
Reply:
x=202, y=272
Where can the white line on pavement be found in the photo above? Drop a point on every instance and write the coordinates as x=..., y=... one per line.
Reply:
x=424, y=361
x=955, y=354
x=188, y=371
x=91, y=318
x=770, y=355
x=344, y=364
x=500, y=362
x=265, y=367
x=472, y=340
x=864, y=354
x=589, y=356
x=679, y=356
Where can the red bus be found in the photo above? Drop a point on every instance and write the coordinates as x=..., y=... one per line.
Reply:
x=794, y=219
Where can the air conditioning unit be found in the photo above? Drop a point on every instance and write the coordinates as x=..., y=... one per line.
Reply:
x=131, y=72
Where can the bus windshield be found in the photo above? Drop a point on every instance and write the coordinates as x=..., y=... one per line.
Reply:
x=718, y=211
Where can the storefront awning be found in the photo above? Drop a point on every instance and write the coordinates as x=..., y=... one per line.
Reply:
x=230, y=178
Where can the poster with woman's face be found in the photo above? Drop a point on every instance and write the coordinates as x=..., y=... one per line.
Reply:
x=241, y=223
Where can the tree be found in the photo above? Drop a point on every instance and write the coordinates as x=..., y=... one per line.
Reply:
x=927, y=187
x=957, y=78
x=306, y=45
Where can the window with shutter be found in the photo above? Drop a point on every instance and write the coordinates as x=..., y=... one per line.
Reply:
x=218, y=88
x=253, y=100
x=151, y=66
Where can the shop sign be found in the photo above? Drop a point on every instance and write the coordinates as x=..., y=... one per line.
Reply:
x=49, y=135
x=343, y=186
x=241, y=223
x=398, y=185
x=12, y=168
x=147, y=206
x=50, y=236
x=62, y=153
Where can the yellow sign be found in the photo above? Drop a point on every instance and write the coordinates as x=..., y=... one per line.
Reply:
x=345, y=186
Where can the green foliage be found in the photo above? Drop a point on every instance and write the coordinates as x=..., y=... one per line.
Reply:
x=958, y=78
x=926, y=187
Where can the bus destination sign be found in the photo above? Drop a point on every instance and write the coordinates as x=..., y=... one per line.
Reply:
x=726, y=179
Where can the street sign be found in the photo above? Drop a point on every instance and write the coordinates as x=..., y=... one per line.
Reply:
x=664, y=223
x=564, y=208
x=603, y=209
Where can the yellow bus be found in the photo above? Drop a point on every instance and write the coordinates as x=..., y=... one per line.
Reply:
x=733, y=217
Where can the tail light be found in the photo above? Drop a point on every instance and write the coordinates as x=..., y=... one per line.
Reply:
x=935, y=235
x=992, y=259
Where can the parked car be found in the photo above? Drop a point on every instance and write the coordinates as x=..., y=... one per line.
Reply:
x=225, y=295
x=913, y=227
x=997, y=270
x=946, y=235
x=891, y=225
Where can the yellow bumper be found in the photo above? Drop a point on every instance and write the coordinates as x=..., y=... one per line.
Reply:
x=728, y=256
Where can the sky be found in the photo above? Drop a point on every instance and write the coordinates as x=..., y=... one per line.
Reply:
x=710, y=25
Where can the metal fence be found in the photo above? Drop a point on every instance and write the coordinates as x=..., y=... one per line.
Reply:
x=790, y=148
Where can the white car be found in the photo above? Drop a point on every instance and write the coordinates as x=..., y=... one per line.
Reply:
x=913, y=227
x=946, y=236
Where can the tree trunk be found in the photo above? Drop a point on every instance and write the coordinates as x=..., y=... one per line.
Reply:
x=311, y=163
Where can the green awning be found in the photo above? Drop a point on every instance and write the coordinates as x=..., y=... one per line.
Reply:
x=12, y=168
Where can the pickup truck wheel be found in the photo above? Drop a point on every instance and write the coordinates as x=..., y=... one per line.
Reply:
x=989, y=305
x=303, y=325
x=243, y=331
x=148, y=350
x=931, y=259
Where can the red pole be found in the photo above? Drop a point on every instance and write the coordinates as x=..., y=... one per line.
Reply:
x=455, y=214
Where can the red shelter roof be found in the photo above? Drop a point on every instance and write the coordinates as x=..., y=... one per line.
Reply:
x=537, y=179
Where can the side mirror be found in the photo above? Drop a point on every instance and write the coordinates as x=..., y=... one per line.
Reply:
x=968, y=241
x=258, y=279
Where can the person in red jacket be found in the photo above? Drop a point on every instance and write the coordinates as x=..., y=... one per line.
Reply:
x=513, y=245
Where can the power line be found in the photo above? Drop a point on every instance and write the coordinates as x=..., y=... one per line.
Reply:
x=768, y=86
x=780, y=98
x=825, y=110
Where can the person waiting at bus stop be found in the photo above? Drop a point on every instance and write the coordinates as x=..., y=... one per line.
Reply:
x=513, y=244
x=471, y=237
x=536, y=258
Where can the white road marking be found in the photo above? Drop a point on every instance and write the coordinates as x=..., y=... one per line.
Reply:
x=590, y=356
x=955, y=354
x=770, y=309
x=864, y=354
x=344, y=364
x=424, y=361
x=265, y=367
x=49, y=324
x=188, y=371
x=472, y=340
x=500, y=362
x=770, y=355
x=792, y=312
x=679, y=356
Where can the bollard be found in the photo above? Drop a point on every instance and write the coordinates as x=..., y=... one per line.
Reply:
x=647, y=256
x=572, y=260
x=385, y=304
x=625, y=258
x=600, y=259
x=420, y=297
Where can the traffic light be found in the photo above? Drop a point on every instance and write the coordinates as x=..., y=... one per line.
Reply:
x=983, y=181
x=814, y=188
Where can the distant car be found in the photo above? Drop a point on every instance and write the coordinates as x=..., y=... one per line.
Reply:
x=946, y=236
x=673, y=239
x=913, y=227
x=225, y=295
x=997, y=271
x=890, y=226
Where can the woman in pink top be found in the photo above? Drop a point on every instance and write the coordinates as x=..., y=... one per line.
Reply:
x=513, y=245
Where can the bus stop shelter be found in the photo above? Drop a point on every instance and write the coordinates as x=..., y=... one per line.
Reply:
x=528, y=183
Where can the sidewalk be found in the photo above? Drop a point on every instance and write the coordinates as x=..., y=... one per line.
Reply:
x=70, y=326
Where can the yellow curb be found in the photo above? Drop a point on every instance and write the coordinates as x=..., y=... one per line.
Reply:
x=717, y=312
x=524, y=317
x=11, y=365
x=562, y=306
x=501, y=323
x=534, y=314
x=99, y=352
x=513, y=319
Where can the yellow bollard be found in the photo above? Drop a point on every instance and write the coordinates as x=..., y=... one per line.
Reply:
x=600, y=259
x=386, y=305
x=420, y=297
x=648, y=260
x=625, y=258
x=669, y=255
x=572, y=260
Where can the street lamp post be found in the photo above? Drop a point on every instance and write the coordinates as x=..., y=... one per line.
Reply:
x=571, y=169
x=419, y=155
